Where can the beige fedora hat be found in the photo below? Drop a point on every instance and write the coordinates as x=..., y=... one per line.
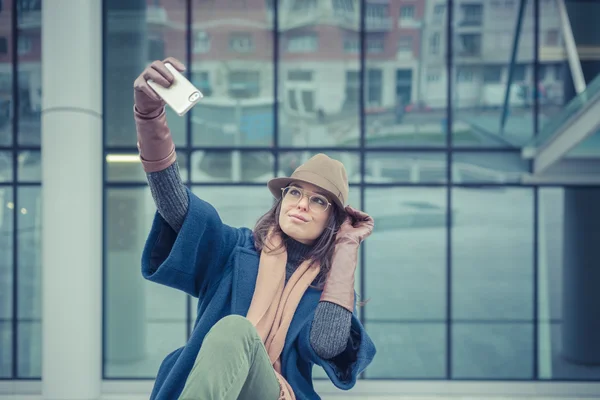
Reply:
x=322, y=171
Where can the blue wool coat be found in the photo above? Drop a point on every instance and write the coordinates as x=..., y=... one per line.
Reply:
x=218, y=264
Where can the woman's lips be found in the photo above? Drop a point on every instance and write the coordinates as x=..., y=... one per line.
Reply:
x=298, y=217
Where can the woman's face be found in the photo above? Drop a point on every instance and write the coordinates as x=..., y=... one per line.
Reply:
x=302, y=217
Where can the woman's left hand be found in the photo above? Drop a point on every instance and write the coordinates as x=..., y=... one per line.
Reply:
x=357, y=226
x=339, y=287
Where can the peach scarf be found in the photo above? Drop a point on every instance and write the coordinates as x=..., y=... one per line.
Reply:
x=274, y=302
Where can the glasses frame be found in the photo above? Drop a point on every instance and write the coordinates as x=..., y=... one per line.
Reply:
x=304, y=194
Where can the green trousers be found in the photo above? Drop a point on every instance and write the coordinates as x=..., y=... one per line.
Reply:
x=232, y=364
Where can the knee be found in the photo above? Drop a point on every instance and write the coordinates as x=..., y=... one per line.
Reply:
x=233, y=329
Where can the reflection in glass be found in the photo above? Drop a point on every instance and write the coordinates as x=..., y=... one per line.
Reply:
x=233, y=67
x=404, y=167
x=121, y=167
x=408, y=350
x=6, y=253
x=6, y=95
x=404, y=82
x=555, y=277
x=492, y=351
x=30, y=349
x=144, y=321
x=319, y=73
x=481, y=167
x=289, y=161
x=29, y=251
x=162, y=338
x=406, y=254
x=483, y=38
x=155, y=30
x=234, y=166
x=6, y=343
x=6, y=166
x=30, y=166
x=492, y=254
x=30, y=87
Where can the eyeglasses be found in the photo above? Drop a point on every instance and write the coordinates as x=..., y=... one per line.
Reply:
x=316, y=202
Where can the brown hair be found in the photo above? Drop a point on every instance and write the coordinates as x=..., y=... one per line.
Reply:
x=323, y=247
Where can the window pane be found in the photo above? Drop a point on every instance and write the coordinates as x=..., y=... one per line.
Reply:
x=492, y=351
x=482, y=43
x=319, y=74
x=233, y=66
x=127, y=167
x=6, y=343
x=289, y=161
x=6, y=253
x=406, y=254
x=29, y=49
x=408, y=351
x=482, y=167
x=6, y=93
x=29, y=248
x=6, y=166
x=492, y=254
x=235, y=166
x=567, y=283
x=425, y=167
x=154, y=31
x=144, y=321
x=30, y=349
x=404, y=81
x=30, y=166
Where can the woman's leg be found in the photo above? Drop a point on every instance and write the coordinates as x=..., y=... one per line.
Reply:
x=232, y=364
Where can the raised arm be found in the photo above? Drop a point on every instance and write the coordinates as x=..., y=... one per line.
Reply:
x=188, y=243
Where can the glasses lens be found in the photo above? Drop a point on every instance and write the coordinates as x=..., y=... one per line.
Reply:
x=292, y=193
x=318, y=203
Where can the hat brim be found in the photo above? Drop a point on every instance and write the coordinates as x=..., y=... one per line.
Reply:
x=275, y=185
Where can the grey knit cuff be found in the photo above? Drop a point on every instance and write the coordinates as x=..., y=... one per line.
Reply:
x=330, y=329
x=170, y=195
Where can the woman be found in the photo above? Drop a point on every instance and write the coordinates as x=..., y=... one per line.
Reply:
x=273, y=302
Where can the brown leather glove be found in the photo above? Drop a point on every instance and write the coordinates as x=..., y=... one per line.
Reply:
x=155, y=143
x=339, y=287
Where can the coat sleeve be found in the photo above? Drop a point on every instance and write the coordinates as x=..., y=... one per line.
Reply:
x=343, y=369
x=189, y=260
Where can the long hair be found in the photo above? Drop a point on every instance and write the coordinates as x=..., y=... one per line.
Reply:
x=322, y=249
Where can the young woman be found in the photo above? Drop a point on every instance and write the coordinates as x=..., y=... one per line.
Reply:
x=274, y=301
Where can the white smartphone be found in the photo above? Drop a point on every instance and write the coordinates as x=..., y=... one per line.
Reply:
x=181, y=96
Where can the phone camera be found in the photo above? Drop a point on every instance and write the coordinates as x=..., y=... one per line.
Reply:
x=194, y=96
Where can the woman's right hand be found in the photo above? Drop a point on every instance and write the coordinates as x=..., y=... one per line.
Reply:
x=146, y=100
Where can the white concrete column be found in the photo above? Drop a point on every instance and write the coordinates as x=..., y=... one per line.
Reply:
x=72, y=199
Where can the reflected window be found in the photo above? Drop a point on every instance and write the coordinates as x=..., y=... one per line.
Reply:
x=305, y=43
x=343, y=6
x=407, y=13
x=469, y=44
x=201, y=43
x=351, y=44
x=374, y=86
x=375, y=43
x=405, y=44
x=434, y=43
x=304, y=5
x=492, y=74
x=241, y=42
x=244, y=84
x=472, y=15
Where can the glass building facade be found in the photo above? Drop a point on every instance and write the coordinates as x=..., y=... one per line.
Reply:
x=429, y=105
